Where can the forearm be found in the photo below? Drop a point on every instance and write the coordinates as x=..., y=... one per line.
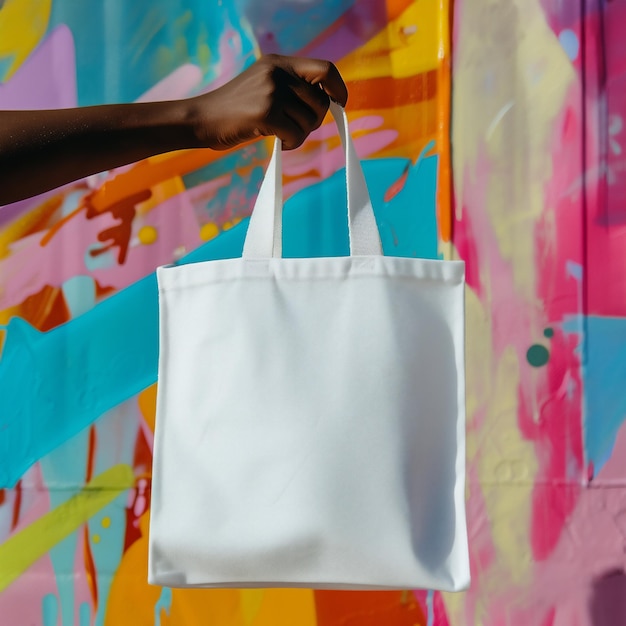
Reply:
x=41, y=150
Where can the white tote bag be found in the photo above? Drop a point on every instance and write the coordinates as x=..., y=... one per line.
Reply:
x=310, y=413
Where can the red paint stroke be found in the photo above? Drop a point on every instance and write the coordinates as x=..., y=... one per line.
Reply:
x=142, y=458
x=133, y=532
x=2, y=496
x=367, y=608
x=119, y=235
x=90, y=567
x=103, y=291
x=396, y=187
x=17, y=505
x=91, y=453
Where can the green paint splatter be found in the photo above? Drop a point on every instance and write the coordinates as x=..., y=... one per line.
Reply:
x=537, y=355
x=548, y=333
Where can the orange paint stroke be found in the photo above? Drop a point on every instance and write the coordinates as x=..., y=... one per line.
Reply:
x=444, y=183
x=387, y=92
x=150, y=172
x=147, y=405
x=395, y=8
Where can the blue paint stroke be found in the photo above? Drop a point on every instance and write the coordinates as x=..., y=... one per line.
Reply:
x=84, y=614
x=604, y=376
x=164, y=603
x=49, y=610
x=54, y=384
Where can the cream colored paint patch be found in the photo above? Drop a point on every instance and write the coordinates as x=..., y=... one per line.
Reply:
x=511, y=79
x=23, y=23
x=505, y=463
x=507, y=470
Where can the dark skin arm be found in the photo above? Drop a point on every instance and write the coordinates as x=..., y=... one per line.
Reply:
x=283, y=96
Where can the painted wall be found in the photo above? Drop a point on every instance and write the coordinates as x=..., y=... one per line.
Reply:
x=539, y=216
x=78, y=302
x=540, y=182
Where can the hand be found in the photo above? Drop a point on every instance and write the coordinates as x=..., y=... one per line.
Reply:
x=283, y=96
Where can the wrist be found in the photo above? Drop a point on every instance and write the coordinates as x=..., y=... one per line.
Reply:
x=203, y=126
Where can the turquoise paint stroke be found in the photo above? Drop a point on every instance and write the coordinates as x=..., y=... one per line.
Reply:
x=116, y=435
x=54, y=384
x=123, y=49
x=164, y=603
x=63, y=472
x=604, y=373
x=49, y=610
x=84, y=614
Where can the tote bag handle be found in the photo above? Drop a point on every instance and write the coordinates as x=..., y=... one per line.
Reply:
x=264, y=236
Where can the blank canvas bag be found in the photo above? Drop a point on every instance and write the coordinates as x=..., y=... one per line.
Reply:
x=310, y=413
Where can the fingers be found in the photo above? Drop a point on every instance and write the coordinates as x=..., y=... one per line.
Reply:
x=309, y=105
x=291, y=121
x=303, y=90
x=289, y=132
x=320, y=72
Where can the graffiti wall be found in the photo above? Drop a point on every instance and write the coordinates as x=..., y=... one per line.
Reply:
x=78, y=299
x=539, y=170
x=538, y=213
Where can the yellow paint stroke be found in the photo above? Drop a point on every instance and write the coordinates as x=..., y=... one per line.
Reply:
x=23, y=549
x=407, y=46
x=23, y=23
x=28, y=223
